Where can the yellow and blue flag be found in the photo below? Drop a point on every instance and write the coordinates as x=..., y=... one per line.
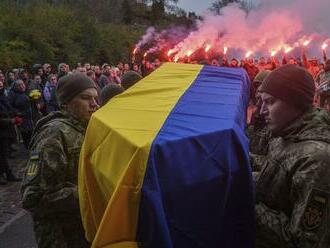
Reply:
x=165, y=164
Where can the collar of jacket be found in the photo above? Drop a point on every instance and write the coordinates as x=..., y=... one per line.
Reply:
x=314, y=124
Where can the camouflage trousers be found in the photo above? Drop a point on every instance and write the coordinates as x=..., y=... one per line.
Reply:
x=52, y=233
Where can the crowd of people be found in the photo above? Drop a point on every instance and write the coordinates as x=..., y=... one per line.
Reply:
x=28, y=95
x=49, y=111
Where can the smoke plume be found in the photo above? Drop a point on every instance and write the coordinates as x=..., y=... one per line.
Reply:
x=274, y=26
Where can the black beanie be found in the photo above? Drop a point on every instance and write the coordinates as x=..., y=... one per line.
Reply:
x=109, y=91
x=292, y=84
x=71, y=85
x=129, y=79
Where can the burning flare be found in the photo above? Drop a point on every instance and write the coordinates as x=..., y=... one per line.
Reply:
x=324, y=46
x=170, y=52
x=145, y=54
x=135, y=50
x=288, y=49
x=248, y=54
x=225, y=49
x=207, y=48
x=189, y=53
x=273, y=53
x=306, y=43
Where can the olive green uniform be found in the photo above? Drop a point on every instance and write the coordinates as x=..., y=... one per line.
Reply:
x=49, y=188
x=293, y=187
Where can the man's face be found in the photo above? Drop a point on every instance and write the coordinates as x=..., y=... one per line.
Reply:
x=126, y=67
x=83, y=105
x=37, y=79
x=48, y=69
x=11, y=76
x=40, y=71
x=21, y=86
x=87, y=66
x=113, y=72
x=120, y=66
x=262, y=60
x=25, y=75
x=97, y=70
x=82, y=70
x=63, y=68
x=292, y=62
x=107, y=70
x=277, y=113
x=233, y=63
x=53, y=80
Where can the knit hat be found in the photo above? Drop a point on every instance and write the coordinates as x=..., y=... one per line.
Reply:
x=261, y=76
x=109, y=91
x=292, y=84
x=71, y=85
x=129, y=79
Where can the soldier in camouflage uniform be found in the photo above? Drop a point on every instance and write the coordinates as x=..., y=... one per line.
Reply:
x=293, y=187
x=257, y=131
x=323, y=87
x=49, y=189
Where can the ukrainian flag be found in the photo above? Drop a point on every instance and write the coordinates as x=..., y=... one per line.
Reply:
x=165, y=164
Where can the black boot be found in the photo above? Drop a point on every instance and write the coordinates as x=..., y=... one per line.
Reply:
x=3, y=180
x=12, y=178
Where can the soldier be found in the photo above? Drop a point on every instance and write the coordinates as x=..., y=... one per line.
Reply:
x=49, y=189
x=293, y=187
x=257, y=132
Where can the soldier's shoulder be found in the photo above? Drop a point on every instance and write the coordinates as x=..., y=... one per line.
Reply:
x=53, y=131
x=314, y=150
x=58, y=126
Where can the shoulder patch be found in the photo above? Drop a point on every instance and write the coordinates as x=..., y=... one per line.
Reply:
x=33, y=166
x=316, y=210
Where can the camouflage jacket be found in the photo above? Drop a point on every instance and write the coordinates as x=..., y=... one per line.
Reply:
x=293, y=187
x=259, y=137
x=50, y=181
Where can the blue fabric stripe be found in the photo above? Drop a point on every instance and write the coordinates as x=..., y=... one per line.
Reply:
x=198, y=189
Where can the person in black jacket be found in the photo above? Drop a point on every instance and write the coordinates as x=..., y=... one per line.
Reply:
x=20, y=101
x=7, y=122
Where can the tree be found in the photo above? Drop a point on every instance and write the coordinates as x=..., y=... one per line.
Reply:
x=128, y=13
x=219, y=4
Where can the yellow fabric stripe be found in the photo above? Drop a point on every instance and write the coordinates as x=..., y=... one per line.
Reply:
x=116, y=149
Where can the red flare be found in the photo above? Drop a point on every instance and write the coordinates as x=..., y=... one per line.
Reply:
x=248, y=54
x=273, y=53
x=145, y=54
x=170, y=52
x=324, y=46
x=288, y=49
x=189, y=53
x=207, y=48
x=306, y=43
x=135, y=50
x=225, y=49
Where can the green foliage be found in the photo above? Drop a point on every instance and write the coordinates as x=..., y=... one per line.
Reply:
x=46, y=33
x=72, y=31
x=219, y=4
